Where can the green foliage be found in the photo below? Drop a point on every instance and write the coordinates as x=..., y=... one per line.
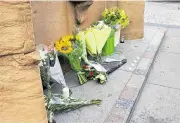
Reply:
x=115, y=16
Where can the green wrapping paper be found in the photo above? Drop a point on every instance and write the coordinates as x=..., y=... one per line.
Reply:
x=108, y=48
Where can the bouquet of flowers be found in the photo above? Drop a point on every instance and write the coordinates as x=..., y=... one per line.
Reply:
x=92, y=70
x=95, y=39
x=72, y=48
x=115, y=16
x=57, y=103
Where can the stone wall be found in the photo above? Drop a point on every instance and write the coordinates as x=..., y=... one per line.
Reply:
x=135, y=12
x=21, y=95
x=55, y=19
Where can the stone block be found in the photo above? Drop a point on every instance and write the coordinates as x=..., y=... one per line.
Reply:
x=21, y=93
x=149, y=55
x=16, y=35
x=128, y=93
x=136, y=81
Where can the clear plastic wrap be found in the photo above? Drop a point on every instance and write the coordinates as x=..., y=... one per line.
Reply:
x=50, y=67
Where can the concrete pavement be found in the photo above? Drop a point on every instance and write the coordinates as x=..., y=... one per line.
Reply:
x=165, y=13
x=120, y=92
x=160, y=99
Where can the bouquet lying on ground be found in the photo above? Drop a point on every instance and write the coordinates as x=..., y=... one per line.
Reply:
x=57, y=103
x=74, y=49
x=115, y=16
x=93, y=70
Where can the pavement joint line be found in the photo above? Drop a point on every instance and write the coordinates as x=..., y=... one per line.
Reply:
x=169, y=52
x=172, y=36
x=143, y=84
x=124, y=70
x=163, y=86
x=161, y=25
x=74, y=86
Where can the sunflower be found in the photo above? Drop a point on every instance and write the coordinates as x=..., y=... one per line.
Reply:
x=64, y=46
x=67, y=38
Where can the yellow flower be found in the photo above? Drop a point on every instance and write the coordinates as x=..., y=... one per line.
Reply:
x=67, y=38
x=68, y=43
x=64, y=46
x=77, y=37
x=123, y=15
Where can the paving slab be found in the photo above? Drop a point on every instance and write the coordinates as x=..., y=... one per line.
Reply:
x=131, y=52
x=148, y=34
x=171, y=44
x=136, y=81
x=162, y=13
x=157, y=105
x=166, y=70
x=159, y=101
x=173, y=32
x=120, y=92
x=156, y=41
